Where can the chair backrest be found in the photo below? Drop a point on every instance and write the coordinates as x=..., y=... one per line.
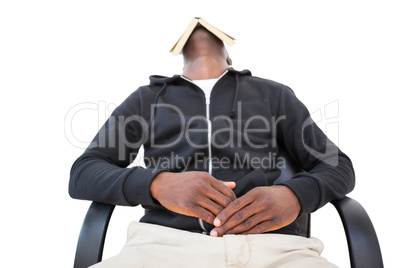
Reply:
x=288, y=170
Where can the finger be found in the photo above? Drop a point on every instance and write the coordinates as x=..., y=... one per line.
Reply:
x=248, y=223
x=231, y=209
x=219, y=198
x=211, y=206
x=263, y=227
x=241, y=221
x=222, y=188
x=230, y=184
x=203, y=213
x=210, y=188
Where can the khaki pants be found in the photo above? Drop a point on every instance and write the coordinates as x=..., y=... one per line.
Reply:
x=151, y=245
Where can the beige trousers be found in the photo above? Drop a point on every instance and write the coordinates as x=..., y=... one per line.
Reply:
x=151, y=245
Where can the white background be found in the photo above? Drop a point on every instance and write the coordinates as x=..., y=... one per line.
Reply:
x=57, y=54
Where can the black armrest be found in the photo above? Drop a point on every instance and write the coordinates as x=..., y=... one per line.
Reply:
x=364, y=249
x=92, y=235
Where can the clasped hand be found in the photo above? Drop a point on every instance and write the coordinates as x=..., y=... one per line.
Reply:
x=200, y=195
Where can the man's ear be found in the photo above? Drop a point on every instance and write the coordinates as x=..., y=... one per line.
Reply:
x=229, y=61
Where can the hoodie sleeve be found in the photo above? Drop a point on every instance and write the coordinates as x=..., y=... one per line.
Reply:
x=329, y=173
x=101, y=173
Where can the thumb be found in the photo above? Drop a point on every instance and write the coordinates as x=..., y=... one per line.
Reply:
x=230, y=184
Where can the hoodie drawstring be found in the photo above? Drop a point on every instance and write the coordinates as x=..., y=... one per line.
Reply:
x=154, y=108
x=233, y=115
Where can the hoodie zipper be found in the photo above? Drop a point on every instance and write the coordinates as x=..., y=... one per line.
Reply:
x=207, y=99
x=207, y=102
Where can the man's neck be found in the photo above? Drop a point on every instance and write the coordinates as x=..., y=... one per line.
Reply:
x=204, y=67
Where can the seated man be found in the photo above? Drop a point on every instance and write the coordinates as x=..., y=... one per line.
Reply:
x=211, y=138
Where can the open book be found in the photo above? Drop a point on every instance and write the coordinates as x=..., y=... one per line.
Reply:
x=177, y=48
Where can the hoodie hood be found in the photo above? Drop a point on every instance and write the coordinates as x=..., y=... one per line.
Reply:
x=162, y=81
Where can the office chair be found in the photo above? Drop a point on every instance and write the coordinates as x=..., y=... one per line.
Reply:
x=363, y=245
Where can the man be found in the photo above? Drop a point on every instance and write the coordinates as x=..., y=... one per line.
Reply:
x=211, y=138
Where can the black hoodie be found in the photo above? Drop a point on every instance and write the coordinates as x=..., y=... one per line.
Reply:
x=251, y=118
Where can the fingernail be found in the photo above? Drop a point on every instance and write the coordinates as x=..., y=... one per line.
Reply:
x=217, y=222
x=213, y=233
